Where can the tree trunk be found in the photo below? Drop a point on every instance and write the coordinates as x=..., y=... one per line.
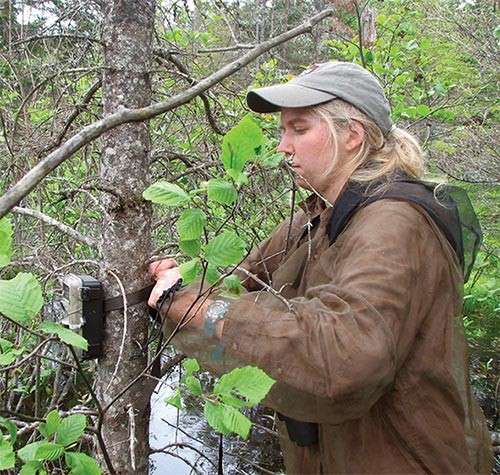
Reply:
x=6, y=18
x=126, y=235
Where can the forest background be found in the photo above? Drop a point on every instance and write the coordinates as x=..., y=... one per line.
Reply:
x=77, y=70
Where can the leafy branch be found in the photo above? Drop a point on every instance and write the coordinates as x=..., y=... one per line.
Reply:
x=240, y=388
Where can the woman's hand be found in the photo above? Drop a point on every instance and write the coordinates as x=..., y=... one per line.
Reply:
x=166, y=273
x=157, y=268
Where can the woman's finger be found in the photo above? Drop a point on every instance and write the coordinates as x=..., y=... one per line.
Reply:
x=168, y=274
x=163, y=264
x=167, y=280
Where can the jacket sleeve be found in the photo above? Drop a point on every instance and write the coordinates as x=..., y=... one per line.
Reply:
x=339, y=349
x=261, y=262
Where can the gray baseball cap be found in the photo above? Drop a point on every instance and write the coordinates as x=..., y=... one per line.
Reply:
x=322, y=83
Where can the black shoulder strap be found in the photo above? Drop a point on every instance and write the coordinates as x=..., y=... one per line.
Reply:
x=349, y=202
x=439, y=201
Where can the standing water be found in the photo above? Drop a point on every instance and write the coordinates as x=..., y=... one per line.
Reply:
x=190, y=446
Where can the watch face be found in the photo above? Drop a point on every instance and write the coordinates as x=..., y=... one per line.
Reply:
x=218, y=306
x=217, y=309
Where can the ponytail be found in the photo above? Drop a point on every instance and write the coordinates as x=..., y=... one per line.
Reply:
x=379, y=157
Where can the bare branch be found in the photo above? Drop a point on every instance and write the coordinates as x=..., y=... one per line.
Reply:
x=267, y=287
x=124, y=115
x=224, y=49
x=52, y=222
x=206, y=104
x=29, y=356
x=57, y=37
x=76, y=112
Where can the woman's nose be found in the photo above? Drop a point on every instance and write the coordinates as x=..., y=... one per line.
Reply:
x=285, y=146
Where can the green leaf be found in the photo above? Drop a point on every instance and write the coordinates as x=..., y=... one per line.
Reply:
x=81, y=464
x=7, y=358
x=190, y=224
x=249, y=382
x=10, y=354
x=226, y=419
x=163, y=192
x=241, y=179
x=423, y=110
x=5, y=241
x=11, y=428
x=5, y=345
x=233, y=401
x=27, y=453
x=53, y=421
x=42, y=428
x=225, y=249
x=21, y=297
x=411, y=45
x=236, y=422
x=214, y=413
x=190, y=248
x=31, y=468
x=189, y=270
x=190, y=366
x=212, y=274
x=232, y=284
x=65, y=334
x=222, y=191
x=269, y=157
x=193, y=384
x=381, y=19
x=175, y=399
x=240, y=143
x=49, y=451
x=71, y=429
x=7, y=457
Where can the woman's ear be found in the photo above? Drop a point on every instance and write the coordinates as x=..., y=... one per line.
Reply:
x=355, y=136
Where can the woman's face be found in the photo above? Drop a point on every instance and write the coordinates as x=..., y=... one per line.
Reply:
x=305, y=138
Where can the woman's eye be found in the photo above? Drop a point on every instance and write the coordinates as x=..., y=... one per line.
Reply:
x=300, y=131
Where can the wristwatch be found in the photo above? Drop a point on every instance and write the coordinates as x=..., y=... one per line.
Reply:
x=216, y=311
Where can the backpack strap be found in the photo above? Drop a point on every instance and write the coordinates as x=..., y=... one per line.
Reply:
x=437, y=200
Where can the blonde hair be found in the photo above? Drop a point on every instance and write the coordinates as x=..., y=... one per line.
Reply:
x=379, y=157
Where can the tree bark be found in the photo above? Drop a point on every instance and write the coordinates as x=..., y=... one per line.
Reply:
x=126, y=241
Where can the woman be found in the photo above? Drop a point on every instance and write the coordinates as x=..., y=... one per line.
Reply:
x=354, y=306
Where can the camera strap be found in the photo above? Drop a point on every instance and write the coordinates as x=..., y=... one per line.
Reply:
x=134, y=298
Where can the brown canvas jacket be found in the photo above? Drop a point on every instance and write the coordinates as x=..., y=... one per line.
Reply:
x=371, y=348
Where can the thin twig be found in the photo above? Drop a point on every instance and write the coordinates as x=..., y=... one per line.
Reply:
x=64, y=228
x=183, y=445
x=26, y=358
x=133, y=440
x=51, y=37
x=267, y=287
x=223, y=49
x=98, y=432
x=124, y=332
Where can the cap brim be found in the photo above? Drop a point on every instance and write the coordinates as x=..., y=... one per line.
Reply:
x=275, y=98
